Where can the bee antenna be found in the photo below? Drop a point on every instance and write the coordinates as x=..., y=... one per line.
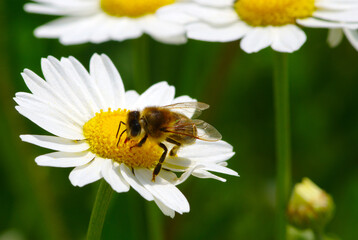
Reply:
x=119, y=127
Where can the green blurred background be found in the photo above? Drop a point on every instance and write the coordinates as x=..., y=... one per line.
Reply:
x=40, y=202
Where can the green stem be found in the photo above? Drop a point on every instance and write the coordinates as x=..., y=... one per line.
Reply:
x=283, y=149
x=141, y=79
x=99, y=211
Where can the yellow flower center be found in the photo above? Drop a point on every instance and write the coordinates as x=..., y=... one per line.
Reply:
x=100, y=132
x=132, y=8
x=273, y=12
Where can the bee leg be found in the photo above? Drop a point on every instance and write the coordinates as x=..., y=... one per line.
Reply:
x=120, y=136
x=141, y=142
x=158, y=167
x=175, y=149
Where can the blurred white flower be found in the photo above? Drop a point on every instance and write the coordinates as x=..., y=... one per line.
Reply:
x=263, y=23
x=98, y=21
x=83, y=110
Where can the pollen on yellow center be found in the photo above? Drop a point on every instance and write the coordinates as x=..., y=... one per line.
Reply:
x=132, y=8
x=273, y=12
x=101, y=131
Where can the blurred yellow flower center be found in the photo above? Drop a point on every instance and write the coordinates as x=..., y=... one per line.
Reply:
x=273, y=12
x=132, y=8
x=101, y=131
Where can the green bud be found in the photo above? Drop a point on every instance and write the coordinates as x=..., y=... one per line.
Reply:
x=309, y=206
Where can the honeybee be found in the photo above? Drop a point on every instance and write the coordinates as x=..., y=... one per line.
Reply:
x=169, y=124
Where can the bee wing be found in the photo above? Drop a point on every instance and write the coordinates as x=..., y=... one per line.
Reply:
x=189, y=109
x=205, y=131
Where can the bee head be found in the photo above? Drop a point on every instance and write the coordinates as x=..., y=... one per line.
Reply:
x=134, y=127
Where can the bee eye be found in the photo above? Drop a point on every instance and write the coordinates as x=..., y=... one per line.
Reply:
x=135, y=129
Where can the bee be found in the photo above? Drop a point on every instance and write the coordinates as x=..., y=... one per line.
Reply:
x=169, y=124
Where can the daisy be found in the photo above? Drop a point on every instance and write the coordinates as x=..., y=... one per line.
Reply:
x=264, y=23
x=83, y=109
x=98, y=21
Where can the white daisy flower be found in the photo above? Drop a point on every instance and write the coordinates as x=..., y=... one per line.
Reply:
x=83, y=110
x=97, y=21
x=263, y=23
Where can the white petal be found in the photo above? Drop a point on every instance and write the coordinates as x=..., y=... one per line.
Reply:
x=58, y=79
x=178, y=167
x=177, y=39
x=175, y=180
x=43, y=91
x=79, y=77
x=205, y=151
x=171, y=13
x=113, y=176
x=182, y=99
x=44, y=9
x=219, y=169
x=56, y=143
x=72, y=30
x=288, y=38
x=213, y=16
x=102, y=33
x=86, y=174
x=62, y=7
x=82, y=30
x=108, y=80
x=89, y=84
x=164, y=191
x=166, y=211
x=216, y=3
x=205, y=32
x=135, y=184
x=168, y=176
x=58, y=27
x=125, y=28
x=256, y=39
x=335, y=36
x=318, y=23
x=131, y=97
x=63, y=159
x=164, y=31
x=159, y=94
x=41, y=106
x=335, y=5
x=340, y=16
x=200, y=173
x=352, y=35
x=50, y=124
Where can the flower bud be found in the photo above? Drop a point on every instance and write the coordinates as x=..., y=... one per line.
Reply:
x=309, y=206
